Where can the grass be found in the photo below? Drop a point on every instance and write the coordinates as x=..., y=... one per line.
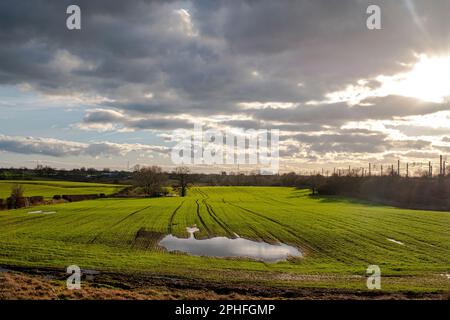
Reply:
x=338, y=237
x=48, y=189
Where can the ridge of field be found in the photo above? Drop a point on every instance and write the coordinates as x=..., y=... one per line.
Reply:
x=48, y=189
x=338, y=237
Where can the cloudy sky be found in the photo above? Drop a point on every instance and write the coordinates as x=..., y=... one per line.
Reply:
x=114, y=91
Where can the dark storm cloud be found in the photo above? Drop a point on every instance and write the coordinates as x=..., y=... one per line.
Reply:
x=159, y=124
x=354, y=141
x=322, y=44
x=154, y=59
x=301, y=118
x=256, y=124
x=326, y=42
x=104, y=117
x=346, y=141
x=340, y=113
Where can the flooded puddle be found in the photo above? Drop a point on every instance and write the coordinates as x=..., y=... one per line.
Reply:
x=41, y=212
x=90, y=274
x=395, y=241
x=4, y=270
x=225, y=247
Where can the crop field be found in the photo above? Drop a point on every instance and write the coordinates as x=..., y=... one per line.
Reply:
x=338, y=238
x=48, y=189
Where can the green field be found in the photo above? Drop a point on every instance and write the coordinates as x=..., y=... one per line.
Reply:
x=48, y=189
x=339, y=238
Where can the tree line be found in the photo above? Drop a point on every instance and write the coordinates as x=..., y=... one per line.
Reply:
x=423, y=192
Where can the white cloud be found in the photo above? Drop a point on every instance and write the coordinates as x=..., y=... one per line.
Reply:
x=64, y=148
x=264, y=105
x=66, y=62
x=428, y=79
x=186, y=24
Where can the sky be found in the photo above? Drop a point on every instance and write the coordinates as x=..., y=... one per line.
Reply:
x=112, y=94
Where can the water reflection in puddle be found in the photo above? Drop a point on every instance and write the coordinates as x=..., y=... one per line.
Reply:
x=226, y=247
x=41, y=212
x=395, y=241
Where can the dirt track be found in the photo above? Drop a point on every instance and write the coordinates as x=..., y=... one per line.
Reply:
x=25, y=283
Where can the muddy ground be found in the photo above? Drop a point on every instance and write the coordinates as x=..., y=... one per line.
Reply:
x=26, y=283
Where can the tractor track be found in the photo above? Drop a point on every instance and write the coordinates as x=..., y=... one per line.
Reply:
x=208, y=231
x=214, y=216
x=290, y=230
x=117, y=223
x=262, y=237
x=219, y=221
x=172, y=217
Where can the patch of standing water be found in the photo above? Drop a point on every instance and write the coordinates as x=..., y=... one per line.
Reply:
x=395, y=241
x=41, y=212
x=225, y=247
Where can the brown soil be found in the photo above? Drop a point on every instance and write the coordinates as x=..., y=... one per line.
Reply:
x=26, y=283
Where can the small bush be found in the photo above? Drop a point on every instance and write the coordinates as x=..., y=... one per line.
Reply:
x=17, y=191
x=17, y=200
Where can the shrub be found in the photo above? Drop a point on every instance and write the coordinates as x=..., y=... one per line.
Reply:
x=17, y=200
x=17, y=191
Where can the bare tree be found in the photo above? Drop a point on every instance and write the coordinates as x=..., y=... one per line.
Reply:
x=150, y=179
x=16, y=191
x=16, y=199
x=182, y=174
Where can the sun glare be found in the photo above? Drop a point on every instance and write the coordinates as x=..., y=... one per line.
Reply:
x=428, y=80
